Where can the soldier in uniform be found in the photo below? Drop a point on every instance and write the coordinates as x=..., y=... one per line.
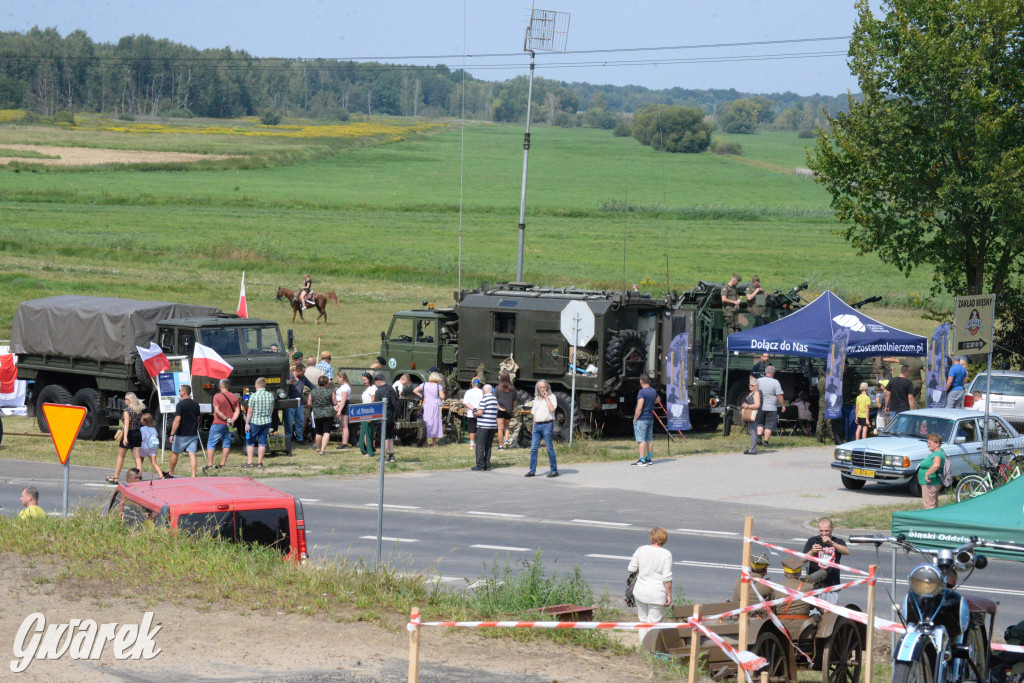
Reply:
x=823, y=430
x=755, y=309
x=793, y=566
x=756, y=592
x=731, y=304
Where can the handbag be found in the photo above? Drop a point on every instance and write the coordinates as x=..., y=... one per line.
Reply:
x=630, y=585
x=749, y=414
x=119, y=436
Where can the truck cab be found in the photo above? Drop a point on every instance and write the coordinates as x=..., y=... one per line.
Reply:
x=419, y=340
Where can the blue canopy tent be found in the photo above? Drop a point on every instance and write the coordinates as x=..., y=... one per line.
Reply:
x=809, y=332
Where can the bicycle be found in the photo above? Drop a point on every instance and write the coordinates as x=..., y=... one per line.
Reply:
x=995, y=474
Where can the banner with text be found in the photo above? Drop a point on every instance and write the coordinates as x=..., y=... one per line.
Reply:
x=834, y=374
x=935, y=371
x=675, y=388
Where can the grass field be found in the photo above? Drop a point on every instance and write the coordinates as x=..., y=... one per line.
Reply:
x=379, y=223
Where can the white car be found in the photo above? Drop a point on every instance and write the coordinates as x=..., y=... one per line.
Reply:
x=893, y=456
x=1006, y=397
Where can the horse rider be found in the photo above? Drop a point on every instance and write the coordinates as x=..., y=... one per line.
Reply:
x=304, y=292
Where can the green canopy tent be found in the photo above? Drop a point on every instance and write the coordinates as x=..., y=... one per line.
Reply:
x=995, y=516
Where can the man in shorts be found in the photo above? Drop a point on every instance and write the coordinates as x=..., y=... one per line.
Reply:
x=643, y=421
x=257, y=423
x=184, y=430
x=772, y=401
x=225, y=413
x=472, y=401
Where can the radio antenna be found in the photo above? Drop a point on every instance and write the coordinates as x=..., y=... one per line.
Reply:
x=547, y=32
x=462, y=145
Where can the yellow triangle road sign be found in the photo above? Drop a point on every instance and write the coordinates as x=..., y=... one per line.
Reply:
x=64, y=423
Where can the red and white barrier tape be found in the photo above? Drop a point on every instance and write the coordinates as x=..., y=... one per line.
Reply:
x=579, y=625
x=853, y=615
x=812, y=558
x=779, y=601
x=1007, y=648
x=746, y=661
x=778, y=624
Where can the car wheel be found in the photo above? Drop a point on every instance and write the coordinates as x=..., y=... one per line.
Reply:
x=914, y=487
x=853, y=484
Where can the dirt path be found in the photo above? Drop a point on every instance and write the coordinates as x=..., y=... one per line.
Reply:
x=218, y=643
x=88, y=156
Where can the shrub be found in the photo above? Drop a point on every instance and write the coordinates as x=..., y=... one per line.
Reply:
x=739, y=116
x=621, y=129
x=672, y=129
x=805, y=133
x=720, y=146
x=125, y=116
x=270, y=118
x=64, y=116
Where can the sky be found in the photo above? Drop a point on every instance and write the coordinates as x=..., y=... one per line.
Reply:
x=450, y=31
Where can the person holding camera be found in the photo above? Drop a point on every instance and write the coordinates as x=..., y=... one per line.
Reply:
x=830, y=548
x=544, y=405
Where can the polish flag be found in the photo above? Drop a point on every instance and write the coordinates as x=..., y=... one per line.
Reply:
x=243, y=310
x=154, y=359
x=208, y=363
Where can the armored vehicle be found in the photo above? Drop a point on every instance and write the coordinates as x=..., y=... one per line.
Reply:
x=82, y=350
x=517, y=325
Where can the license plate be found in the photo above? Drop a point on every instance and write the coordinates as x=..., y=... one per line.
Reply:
x=273, y=380
x=999, y=404
x=863, y=473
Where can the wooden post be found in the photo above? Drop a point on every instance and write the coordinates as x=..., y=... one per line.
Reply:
x=414, y=646
x=764, y=677
x=695, y=636
x=748, y=532
x=869, y=645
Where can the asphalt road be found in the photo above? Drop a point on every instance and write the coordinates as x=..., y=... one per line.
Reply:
x=457, y=525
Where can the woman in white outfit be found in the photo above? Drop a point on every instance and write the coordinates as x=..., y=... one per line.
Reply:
x=653, y=589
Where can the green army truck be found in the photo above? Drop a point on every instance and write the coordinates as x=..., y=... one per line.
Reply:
x=81, y=350
x=518, y=325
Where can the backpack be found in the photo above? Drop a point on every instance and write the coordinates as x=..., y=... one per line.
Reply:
x=947, y=473
x=630, y=585
x=1014, y=634
x=394, y=404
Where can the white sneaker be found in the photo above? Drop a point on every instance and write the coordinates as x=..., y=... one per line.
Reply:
x=472, y=445
x=639, y=463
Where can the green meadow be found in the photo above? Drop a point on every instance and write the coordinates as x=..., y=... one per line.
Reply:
x=380, y=222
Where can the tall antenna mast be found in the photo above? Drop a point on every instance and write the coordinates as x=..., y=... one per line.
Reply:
x=547, y=32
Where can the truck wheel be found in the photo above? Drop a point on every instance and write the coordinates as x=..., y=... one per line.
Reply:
x=95, y=419
x=620, y=348
x=421, y=434
x=142, y=374
x=51, y=393
x=562, y=423
x=851, y=483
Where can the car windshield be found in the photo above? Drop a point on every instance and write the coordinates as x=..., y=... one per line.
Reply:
x=1001, y=384
x=263, y=340
x=918, y=426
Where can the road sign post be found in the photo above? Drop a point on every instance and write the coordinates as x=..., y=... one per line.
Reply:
x=973, y=321
x=64, y=422
x=577, y=326
x=368, y=412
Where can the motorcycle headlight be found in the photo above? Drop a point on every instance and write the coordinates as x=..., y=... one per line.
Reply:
x=925, y=580
x=282, y=394
x=844, y=454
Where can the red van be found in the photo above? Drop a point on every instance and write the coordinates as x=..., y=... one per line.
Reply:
x=237, y=509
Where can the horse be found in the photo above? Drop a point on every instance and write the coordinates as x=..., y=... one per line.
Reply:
x=320, y=299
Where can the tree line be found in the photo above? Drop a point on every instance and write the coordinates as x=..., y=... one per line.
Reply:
x=44, y=72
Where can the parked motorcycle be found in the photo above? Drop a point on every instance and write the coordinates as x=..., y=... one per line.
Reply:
x=947, y=638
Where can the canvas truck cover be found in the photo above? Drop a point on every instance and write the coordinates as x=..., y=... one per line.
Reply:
x=97, y=328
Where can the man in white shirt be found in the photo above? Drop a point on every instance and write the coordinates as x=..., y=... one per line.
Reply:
x=472, y=401
x=401, y=384
x=772, y=401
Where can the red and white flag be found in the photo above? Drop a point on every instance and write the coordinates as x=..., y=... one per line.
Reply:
x=154, y=359
x=243, y=310
x=208, y=363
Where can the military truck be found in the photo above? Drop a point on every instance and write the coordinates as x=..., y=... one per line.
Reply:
x=81, y=350
x=520, y=323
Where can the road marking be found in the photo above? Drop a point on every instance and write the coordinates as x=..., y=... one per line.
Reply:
x=706, y=532
x=502, y=547
x=493, y=514
x=310, y=500
x=595, y=521
x=99, y=486
x=394, y=507
x=611, y=557
x=391, y=539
